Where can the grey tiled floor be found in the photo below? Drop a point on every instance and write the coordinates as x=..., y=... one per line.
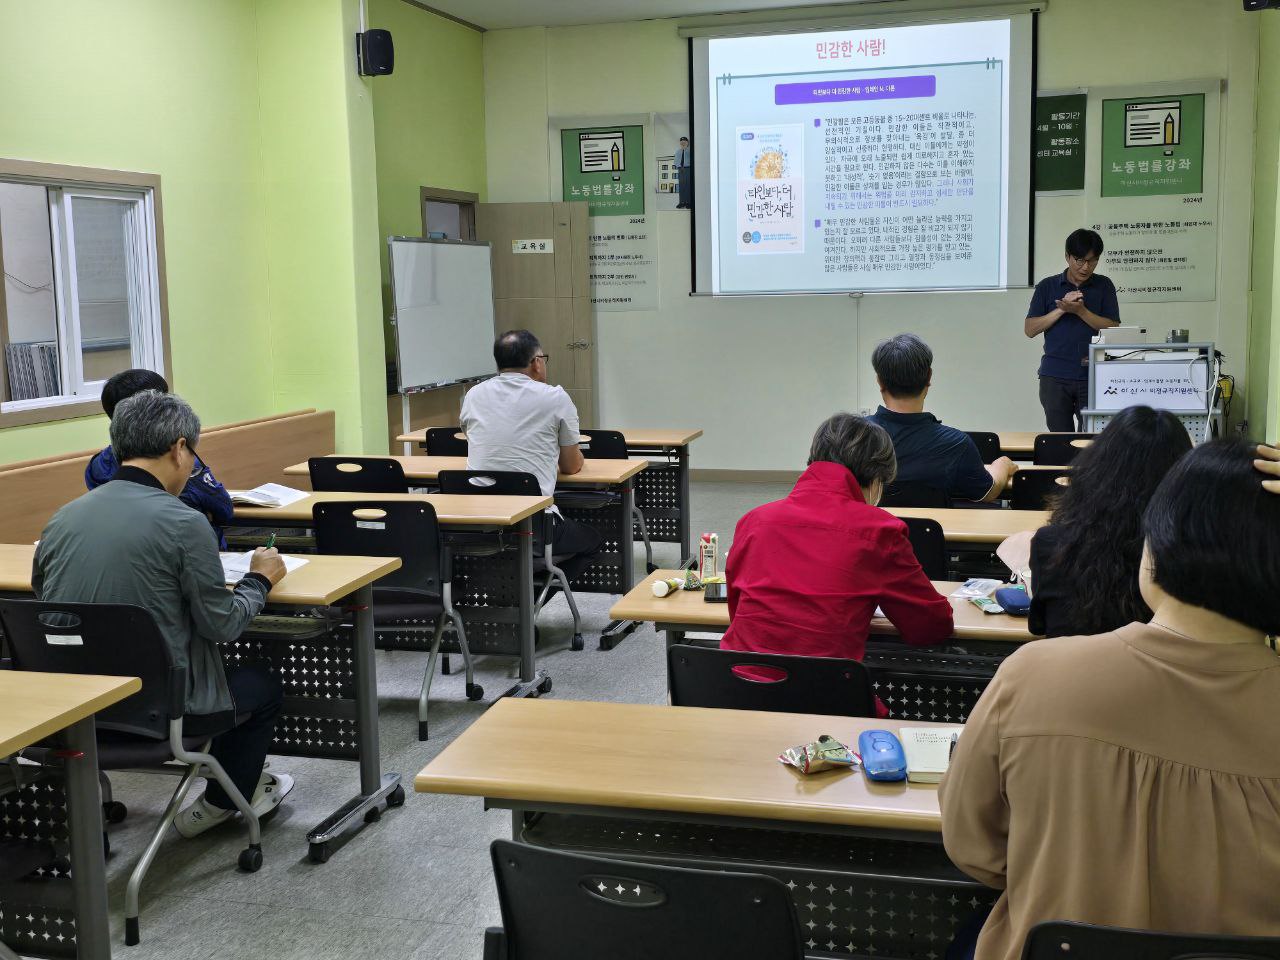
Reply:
x=417, y=885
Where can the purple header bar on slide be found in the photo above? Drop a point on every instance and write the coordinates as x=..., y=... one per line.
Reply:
x=828, y=91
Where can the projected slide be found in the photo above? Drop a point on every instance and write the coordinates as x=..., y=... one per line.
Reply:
x=873, y=159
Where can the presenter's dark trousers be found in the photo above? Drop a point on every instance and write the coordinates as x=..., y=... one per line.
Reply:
x=574, y=545
x=1062, y=401
x=684, y=180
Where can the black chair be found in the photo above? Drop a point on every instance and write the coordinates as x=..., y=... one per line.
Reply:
x=988, y=445
x=511, y=483
x=710, y=677
x=446, y=442
x=557, y=906
x=612, y=445
x=912, y=493
x=929, y=544
x=146, y=732
x=1061, y=940
x=1058, y=449
x=356, y=475
x=421, y=589
x=1033, y=489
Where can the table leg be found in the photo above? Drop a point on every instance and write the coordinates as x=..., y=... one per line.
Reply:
x=686, y=520
x=375, y=786
x=612, y=634
x=532, y=681
x=88, y=865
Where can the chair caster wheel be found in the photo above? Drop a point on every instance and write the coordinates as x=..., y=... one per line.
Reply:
x=422, y=731
x=444, y=665
x=373, y=815
x=114, y=811
x=475, y=691
x=545, y=685
x=251, y=859
x=319, y=852
x=396, y=797
x=577, y=643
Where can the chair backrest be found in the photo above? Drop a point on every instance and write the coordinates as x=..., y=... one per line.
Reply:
x=738, y=680
x=605, y=445
x=389, y=528
x=557, y=905
x=357, y=475
x=912, y=493
x=988, y=444
x=497, y=483
x=1058, y=449
x=108, y=639
x=1060, y=940
x=929, y=544
x=1031, y=489
x=446, y=442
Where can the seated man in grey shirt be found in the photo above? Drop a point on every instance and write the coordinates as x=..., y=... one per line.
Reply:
x=517, y=421
x=133, y=541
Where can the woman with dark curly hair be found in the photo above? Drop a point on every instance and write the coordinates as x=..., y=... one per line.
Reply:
x=1084, y=563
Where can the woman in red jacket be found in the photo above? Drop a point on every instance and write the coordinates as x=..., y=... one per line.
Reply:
x=807, y=573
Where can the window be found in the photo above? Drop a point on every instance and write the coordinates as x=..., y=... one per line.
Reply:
x=82, y=294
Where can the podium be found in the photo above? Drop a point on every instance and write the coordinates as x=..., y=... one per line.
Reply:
x=1179, y=377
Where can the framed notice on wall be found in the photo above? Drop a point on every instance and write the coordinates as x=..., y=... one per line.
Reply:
x=605, y=167
x=1060, y=142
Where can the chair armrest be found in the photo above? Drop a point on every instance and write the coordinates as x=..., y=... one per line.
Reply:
x=495, y=943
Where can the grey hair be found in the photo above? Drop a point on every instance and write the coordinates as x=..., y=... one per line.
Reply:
x=148, y=424
x=858, y=444
x=903, y=364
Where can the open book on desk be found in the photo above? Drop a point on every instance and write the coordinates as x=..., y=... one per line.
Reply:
x=928, y=752
x=236, y=565
x=267, y=495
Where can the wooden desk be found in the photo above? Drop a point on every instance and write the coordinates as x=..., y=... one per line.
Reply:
x=463, y=513
x=39, y=705
x=322, y=581
x=686, y=611
x=594, y=472
x=716, y=765
x=666, y=505
x=977, y=525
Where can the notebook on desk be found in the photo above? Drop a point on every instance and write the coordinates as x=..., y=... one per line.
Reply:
x=267, y=495
x=928, y=752
x=235, y=566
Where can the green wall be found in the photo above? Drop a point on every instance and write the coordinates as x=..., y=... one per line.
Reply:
x=251, y=113
x=429, y=120
x=186, y=111
x=1264, y=317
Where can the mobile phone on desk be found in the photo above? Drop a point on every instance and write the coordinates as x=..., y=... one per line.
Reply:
x=716, y=593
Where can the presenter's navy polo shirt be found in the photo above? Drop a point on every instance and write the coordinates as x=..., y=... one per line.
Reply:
x=932, y=453
x=1066, y=343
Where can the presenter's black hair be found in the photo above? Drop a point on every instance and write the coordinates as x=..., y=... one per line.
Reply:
x=1082, y=242
x=1097, y=522
x=860, y=445
x=515, y=349
x=128, y=382
x=903, y=364
x=1214, y=535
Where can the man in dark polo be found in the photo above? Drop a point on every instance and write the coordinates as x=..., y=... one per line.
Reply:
x=1069, y=308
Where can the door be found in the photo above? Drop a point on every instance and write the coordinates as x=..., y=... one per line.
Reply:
x=546, y=290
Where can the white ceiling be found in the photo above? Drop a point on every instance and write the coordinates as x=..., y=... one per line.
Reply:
x=500, y=14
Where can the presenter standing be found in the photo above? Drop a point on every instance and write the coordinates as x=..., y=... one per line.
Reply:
x=684, y=175
x=1069, y=308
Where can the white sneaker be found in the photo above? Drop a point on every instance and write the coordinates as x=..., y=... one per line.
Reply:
x=202, y=815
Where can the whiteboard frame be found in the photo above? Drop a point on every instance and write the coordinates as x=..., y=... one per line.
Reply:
x=401, y=388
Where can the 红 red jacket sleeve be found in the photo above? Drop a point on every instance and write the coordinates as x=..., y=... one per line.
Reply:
x=921, y=614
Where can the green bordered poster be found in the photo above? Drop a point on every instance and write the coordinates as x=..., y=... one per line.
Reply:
x=1059, y=142
x=605, y=167
x=1153, y=146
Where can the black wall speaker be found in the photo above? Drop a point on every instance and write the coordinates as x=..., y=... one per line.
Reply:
x=1261, y=4
x=375, y=54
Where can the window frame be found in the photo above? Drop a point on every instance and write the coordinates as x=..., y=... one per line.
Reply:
x=74, y=181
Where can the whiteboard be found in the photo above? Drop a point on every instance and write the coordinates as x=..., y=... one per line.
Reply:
x=443, y=300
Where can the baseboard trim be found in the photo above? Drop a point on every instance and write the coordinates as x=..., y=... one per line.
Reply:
x=746, y=476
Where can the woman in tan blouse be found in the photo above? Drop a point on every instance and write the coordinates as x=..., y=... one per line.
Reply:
x=1132, y=779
